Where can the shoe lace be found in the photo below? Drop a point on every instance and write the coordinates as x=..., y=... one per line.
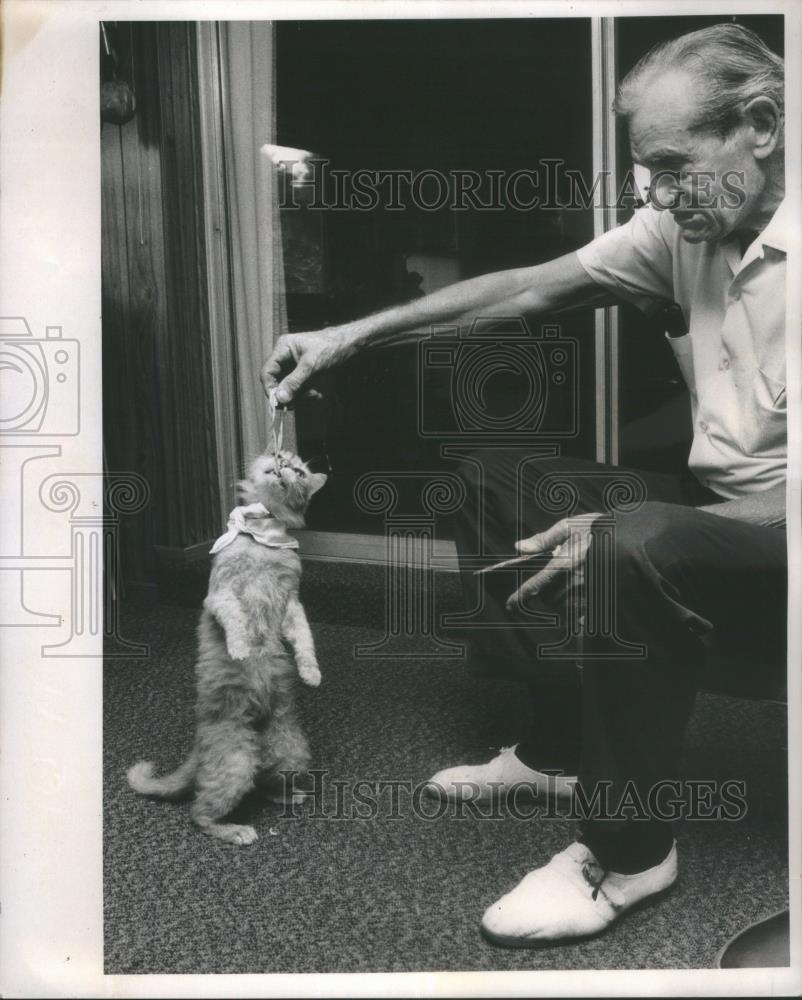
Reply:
x=594, y=875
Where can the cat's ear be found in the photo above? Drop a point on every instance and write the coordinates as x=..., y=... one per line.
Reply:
x=316, y=481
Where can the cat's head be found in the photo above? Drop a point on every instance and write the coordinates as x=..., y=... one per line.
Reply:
x=286, y=490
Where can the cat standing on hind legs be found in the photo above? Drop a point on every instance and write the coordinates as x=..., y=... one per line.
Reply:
x=253, y=636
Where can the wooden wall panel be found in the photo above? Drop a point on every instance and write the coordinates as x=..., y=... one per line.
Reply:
x=158, y=406
x=188, y=343
x=133, y=307
x=120, y=430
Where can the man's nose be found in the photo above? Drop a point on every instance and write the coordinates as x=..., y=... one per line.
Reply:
x=667, y=191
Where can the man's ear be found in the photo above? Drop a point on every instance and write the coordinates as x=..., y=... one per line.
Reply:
x=316, y=481
x=765, y=119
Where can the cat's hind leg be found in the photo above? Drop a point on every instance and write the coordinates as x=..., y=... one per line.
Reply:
x=228, y=761
x=284, y=749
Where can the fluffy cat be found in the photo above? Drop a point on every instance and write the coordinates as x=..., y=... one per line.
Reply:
x=246, y=726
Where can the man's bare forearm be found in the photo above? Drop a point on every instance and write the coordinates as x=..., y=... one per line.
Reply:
x=440, y=306
x=766, y=509
x=521, y=291
x=555, y=286
x=517, y=305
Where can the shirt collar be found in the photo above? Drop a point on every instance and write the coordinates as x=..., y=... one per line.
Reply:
x=775, y=236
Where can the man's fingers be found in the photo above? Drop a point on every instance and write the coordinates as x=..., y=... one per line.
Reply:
x=537, y=584
x=269, y=383
x=542, y=580
x=289, y=387
x=301, y=395
x=571, y=559
x=268, y=376
x=546, y=540
x=275, y=364
x=529, y=588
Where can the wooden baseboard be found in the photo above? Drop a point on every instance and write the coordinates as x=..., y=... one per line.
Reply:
x=324, y=546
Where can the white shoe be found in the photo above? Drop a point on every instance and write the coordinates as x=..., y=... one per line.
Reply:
x=503, y=775
x=571, y=897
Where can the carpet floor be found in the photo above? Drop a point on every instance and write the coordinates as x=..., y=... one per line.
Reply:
x=327, y=888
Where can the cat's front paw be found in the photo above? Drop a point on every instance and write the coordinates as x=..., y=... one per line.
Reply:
x=310, y=674
x=238, y=649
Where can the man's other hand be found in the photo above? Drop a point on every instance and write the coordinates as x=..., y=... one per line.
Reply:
x=568, y=542
x=298, y=356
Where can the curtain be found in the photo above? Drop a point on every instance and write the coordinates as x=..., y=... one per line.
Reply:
x=258, y=302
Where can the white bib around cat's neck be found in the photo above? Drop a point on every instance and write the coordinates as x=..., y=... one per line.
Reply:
x=257, y=521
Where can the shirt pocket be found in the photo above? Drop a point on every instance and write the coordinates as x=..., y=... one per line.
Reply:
x=683, y=352
x=765, y=426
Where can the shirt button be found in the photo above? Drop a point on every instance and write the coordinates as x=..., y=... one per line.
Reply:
x=703, y=426
x=725, y=364
x=735, y=294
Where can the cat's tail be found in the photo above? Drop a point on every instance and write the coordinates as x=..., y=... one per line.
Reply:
x=170, y=786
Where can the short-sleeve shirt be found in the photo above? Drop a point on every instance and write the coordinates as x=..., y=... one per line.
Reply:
x=733, y=356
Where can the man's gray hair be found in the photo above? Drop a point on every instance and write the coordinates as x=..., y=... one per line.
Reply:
x=732, y=65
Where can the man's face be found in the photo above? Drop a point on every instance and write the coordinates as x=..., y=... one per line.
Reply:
x=711, y=185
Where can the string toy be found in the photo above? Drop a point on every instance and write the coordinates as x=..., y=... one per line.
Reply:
x=276, y=424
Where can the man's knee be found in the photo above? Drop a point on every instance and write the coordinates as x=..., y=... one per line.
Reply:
x=650, y=535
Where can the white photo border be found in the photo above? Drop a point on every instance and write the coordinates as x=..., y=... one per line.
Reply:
x=51, y=927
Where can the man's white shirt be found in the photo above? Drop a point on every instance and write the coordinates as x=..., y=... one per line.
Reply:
x=733, y=356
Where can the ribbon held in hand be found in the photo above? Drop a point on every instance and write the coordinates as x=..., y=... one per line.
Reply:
x=276, y=424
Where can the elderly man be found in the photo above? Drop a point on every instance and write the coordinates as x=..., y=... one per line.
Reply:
x=707, y=550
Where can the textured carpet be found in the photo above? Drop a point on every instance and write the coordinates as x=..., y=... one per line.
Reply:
x=397, y=892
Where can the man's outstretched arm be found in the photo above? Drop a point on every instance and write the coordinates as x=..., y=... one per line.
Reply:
x=545, y=288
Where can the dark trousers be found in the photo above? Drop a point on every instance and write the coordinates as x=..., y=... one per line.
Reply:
x=678, y=575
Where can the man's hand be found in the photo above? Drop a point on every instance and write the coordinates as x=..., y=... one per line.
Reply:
x=568, y=542
x=298, y=356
